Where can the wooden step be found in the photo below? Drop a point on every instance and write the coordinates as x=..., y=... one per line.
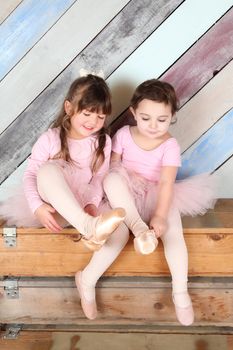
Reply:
x=52, y=340
x=137, y=303
x=38, y=252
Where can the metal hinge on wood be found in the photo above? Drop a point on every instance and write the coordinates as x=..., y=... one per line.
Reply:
x=12, y=332
x=11, y=288
x=9, y=235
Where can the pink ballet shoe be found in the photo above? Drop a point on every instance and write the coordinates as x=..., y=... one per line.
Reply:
x=89, y=307
x=105, y=226
x=184, y=314
x=146, y=242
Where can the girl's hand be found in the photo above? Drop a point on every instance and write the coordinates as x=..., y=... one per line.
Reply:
x=159, y=225
x=91, y=209
x=45, y=215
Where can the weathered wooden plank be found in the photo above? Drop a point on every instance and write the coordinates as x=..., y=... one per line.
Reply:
x=29, y=22
x=38, y=340
x=29, y=341
x=209, y=239
x=66, y=38
x=102, y=53
x=57, y=255
x=205, y=108
x=197, y=66
x=224, y=179
x=6, y=7
x=230, y=342
x=149, y=60
x=132, y=304
x=211, y=150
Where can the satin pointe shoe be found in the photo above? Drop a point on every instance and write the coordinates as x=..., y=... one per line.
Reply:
x=89, y=307
x=184, y=314
x=105, y=226
x=146, y=242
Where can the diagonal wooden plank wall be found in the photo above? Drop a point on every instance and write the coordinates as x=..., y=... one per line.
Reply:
x=151, y=39
x=16, y=39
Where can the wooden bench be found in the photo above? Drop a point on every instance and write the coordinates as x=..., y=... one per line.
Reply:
x=37, y=289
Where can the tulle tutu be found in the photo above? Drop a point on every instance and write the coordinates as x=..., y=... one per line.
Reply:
x=15, y=210
x=192, y=196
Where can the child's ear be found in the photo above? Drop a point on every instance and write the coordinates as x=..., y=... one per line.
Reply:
x=68, y=108
x=132, y=111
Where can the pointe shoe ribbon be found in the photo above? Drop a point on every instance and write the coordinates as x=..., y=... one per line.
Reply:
x=184, y=314
x=105, y=226
x=89, y=307
x=146, y=242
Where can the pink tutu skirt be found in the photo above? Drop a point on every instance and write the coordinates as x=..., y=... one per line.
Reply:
x=192, y=196
x=15, y=210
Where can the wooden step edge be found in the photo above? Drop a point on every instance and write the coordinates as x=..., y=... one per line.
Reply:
x=123, y=328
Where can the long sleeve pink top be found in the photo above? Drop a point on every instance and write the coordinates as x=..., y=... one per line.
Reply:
x=86, y=186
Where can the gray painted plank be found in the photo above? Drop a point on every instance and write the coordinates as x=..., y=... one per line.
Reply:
x=108, y=50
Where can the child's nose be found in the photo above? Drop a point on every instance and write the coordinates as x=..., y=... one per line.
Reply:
x=153, y=124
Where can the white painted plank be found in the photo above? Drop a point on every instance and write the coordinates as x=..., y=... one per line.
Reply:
x=26, y=25
x=224, y=180
x=6, y=7
x=164, y=47
x=205, y=108
x=41, y=65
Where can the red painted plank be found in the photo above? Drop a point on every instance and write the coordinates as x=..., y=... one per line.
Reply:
x=198, y=65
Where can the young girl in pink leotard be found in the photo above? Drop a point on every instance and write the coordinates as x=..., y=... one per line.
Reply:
x=63, y=182
x=144, y=165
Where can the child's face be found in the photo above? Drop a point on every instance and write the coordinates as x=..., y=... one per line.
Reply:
x=85, y=123
x=153, y=118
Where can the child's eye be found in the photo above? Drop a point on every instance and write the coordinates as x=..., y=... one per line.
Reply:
x=145, y=118
x=162, y=120
x=86, y=114
x=101, y=117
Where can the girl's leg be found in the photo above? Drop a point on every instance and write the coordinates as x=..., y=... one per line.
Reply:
x=177, y=258
x=100, y=262
x=119, y=194
x=54, y=189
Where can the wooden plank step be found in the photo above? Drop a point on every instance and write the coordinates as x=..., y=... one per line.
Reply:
x=38, y=252
x=47, y=340
x=136, y=302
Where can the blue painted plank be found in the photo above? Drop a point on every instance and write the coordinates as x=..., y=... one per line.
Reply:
x=25, y=26
x=211, y=150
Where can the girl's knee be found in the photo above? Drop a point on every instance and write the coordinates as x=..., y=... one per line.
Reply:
x=47, y=169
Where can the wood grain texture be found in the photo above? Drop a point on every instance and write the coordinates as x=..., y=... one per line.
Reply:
x=7, y=7
x=197, y=66
x=129, y=303
x=211, y=150
x=209, y=240
x=205, y=108
x=66, y=38
x=107, y=51
x=224, y=179
x=27, y=24
x=52, y=340
x=153, y=58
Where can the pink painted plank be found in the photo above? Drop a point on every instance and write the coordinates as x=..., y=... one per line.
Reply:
x=197, y=66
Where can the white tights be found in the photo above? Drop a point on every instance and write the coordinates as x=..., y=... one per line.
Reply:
x=54, y=189
x=175, y=249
